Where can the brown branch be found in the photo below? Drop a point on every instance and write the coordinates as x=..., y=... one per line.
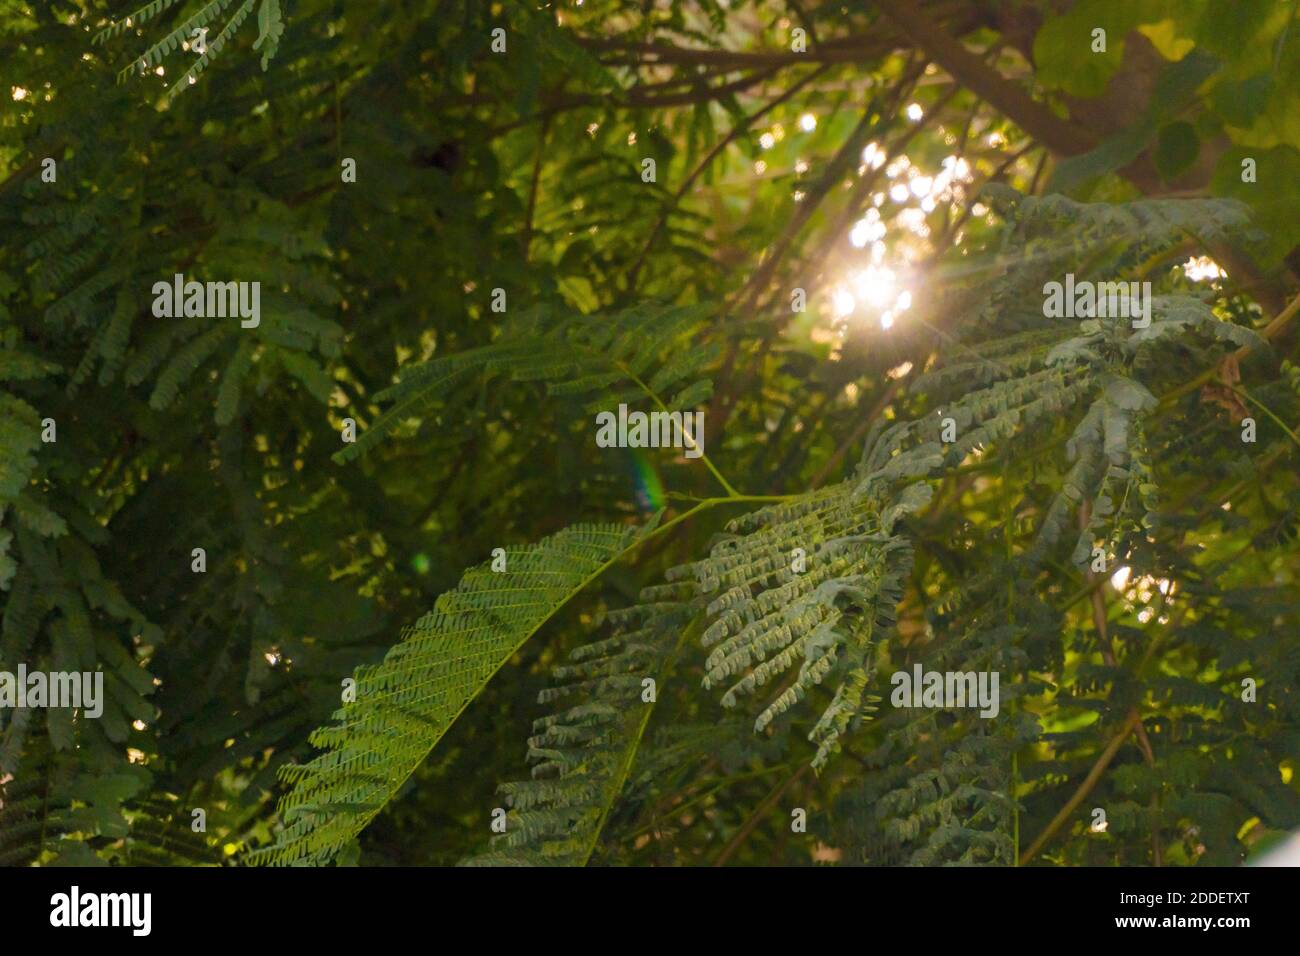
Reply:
x=863, y=426
x=1089, y=782
x=627, y=99
x=722, y=144
x=748, y=826
x=958, y=15
x=984, y=81
x=1108, y=655
x=1271, y=331
x=532, y=189
x=848, y=50
x=30, y=167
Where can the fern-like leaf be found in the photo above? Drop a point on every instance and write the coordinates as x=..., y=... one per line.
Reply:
x=582, y=754
x=405, y=704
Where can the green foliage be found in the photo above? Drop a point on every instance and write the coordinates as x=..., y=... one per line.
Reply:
x=404, y=705
x=270, y=24
x=951, y=478
x=600, y=359
x=825, y=619
x=581, y=754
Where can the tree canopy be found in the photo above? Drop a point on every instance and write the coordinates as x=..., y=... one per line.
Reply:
x=313, y=315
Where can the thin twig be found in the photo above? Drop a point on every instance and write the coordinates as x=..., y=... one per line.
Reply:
x=1089, y=782
x=754, y=818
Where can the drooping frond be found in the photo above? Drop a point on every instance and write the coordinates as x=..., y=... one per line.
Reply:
x=404, y=705
x=634, y=355
x=811, y=584
x=583, y=752
x=191, y=34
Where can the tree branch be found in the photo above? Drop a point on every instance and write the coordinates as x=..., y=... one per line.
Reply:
x=984, y=81
x=1089, y=782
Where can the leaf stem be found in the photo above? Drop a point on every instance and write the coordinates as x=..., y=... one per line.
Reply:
x=621, y=780
x=1094, y=775
x=726, y=485
x=1267, y=411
